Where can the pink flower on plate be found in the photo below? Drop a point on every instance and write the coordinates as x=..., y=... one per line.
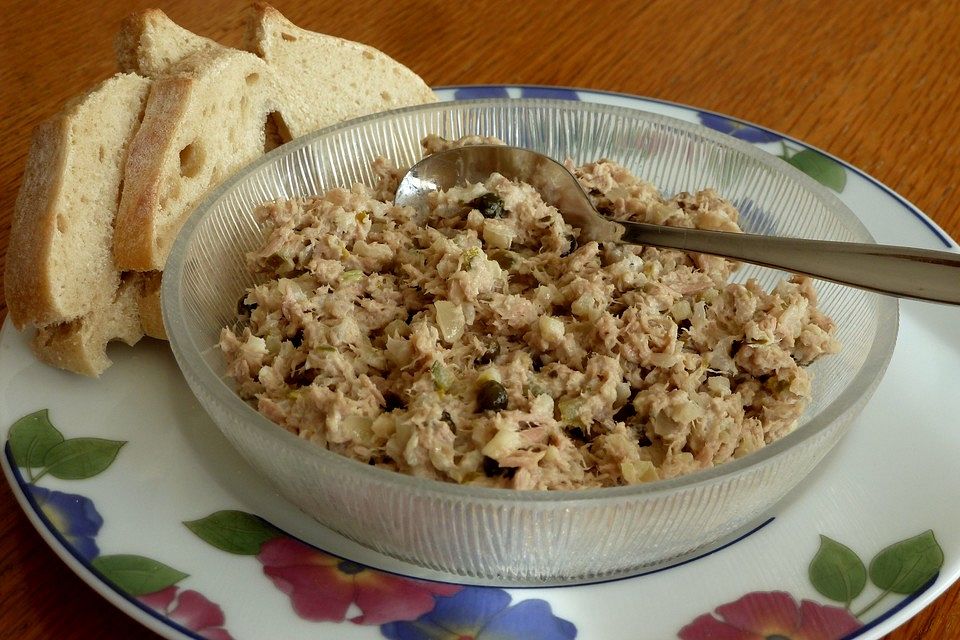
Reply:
x=191, y=610
x=766, y=615
x=323, y=587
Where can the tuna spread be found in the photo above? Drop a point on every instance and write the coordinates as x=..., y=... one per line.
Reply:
x=480, y=343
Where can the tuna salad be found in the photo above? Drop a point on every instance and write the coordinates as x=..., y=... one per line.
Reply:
x=480, y=343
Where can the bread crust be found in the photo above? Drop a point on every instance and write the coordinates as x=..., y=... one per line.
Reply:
x=148, y=302
x=258, y=15
x=353, y=78
x=149, y=43
x=135, y=229
x=127, y=43
x=27, y=289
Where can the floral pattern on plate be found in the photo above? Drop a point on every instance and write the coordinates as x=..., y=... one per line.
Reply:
x=191, y=610
x=39, y=448
x=907, y=567
x=818, y=166
x=772, y=614
x=482, y=613
x=323, y=587
x=75, y=517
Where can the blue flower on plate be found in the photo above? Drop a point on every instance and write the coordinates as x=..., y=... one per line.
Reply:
x=479, y=613
x=555, y=93
x=480, y=91
x=75, y=517
x=499, y=91
x=736, y=129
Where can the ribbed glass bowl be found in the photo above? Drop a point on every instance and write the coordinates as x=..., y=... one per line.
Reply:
x=500, y=535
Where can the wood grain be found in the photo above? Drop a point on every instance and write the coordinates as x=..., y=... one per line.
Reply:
x=874, y=82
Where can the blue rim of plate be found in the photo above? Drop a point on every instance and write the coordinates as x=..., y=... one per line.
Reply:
x=134, y=608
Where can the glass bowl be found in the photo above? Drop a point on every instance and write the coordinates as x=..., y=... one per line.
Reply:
x=501, y=535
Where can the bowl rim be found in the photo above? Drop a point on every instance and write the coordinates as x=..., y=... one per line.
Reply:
x=192, y=363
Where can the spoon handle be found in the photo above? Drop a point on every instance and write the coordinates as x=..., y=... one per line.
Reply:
x=921, y=274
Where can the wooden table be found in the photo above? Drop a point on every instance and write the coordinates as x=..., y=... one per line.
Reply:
x=875, y=82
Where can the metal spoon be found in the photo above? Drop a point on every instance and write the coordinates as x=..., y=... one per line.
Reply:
x=921, y=274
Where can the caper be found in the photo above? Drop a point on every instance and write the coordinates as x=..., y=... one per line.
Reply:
x=301, y=377
x=536, y=361
x=571, y=247
x=392, y=401
x=625, y=412
x=490, y=352
x=244, y=308
x=492, y=468
x=490, y=205
x=297, y=339
x=492, y=396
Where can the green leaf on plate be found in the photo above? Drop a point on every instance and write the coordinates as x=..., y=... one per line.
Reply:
x=31, y=437
x=79, y=458
x=234, y=531
x=821, y=168
x=907, y=565
x=837, y=572
x=137, y=575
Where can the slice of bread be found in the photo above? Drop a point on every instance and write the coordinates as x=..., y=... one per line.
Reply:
x=81, y=345
x=59, y=263
x=323, y=80
x=150, y=43
x=204, y=120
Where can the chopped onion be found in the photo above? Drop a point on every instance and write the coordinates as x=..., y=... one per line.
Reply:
x=449, y=320
x=570, y=410
x=497, y=234
x=637, y=471
x=551, y=329
x=399, y=351
x=586, y=307
x=502, y=444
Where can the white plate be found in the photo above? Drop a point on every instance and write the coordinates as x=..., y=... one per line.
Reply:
x=116, y=514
